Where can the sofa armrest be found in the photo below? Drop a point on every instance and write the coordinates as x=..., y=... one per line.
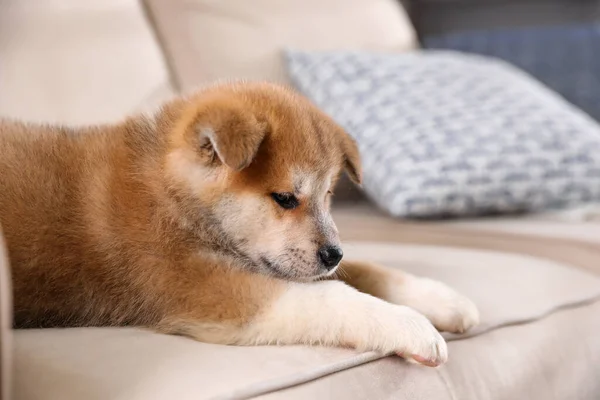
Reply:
x=5, y=323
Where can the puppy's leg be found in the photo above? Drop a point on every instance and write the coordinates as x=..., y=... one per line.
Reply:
x=326, y=313
x=445, y=308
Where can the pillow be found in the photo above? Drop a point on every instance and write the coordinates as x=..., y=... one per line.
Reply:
x=447, y=134
x=565, y=58
x=209, y=40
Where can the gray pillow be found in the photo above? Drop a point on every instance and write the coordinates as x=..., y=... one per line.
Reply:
x=448, y=134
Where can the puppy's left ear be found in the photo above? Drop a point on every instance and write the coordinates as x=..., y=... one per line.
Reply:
x=352, y=163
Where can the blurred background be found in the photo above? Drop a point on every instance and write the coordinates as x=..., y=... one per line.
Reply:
x=477, y=122
x=86, y=61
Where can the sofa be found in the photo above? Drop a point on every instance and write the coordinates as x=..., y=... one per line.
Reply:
x=534, y=277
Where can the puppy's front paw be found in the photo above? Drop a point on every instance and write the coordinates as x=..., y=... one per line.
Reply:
x=402, y=330
x=447, y=309
x=423, y=344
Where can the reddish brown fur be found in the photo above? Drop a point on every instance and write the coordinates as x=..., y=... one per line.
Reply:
x=94, y=222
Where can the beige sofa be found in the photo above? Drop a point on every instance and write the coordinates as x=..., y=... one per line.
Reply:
x=535, y=279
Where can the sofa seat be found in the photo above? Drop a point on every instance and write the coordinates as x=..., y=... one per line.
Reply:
x=539, y=297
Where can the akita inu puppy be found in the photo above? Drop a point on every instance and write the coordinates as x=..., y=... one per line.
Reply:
x=209, y=219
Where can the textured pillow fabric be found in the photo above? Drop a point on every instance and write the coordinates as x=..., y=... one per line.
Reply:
x=447, y=134
x=209, y=40
x=566, y=58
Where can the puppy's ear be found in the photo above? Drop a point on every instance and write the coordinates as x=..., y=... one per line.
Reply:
x=222, y=127
x=352, y=163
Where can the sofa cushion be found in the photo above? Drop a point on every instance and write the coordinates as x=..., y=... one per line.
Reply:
x=555, y=358
x=77, y=62
x=519, y=297
x=443, y=133
x=210, y=40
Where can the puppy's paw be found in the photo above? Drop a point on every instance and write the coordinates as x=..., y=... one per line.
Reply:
x=332, y=313
x=424, y=344
x=448, y=310
x=404, y=331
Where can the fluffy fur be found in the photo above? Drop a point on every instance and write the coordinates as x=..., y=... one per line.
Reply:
x=168, y=222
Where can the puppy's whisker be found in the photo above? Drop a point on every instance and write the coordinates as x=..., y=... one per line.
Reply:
x=341, y=273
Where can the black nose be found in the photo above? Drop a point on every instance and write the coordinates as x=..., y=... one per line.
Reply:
x=330, y=256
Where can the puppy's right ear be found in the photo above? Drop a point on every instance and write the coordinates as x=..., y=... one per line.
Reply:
x=222, y=127
x=352, y=163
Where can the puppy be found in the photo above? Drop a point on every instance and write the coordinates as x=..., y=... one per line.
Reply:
x=209, y=219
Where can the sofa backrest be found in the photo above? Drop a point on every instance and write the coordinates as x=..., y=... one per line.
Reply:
x=78, y=61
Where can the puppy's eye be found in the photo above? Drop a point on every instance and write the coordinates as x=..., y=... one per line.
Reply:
x=285, y=200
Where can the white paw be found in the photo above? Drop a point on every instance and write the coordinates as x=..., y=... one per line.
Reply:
x=332, y=313
x=404, y=331
x=448, y=310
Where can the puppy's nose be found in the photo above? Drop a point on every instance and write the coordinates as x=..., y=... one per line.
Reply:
x=330, y=256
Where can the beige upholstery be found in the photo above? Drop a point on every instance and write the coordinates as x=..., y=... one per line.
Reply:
x=77, y=61
x=5, y=325
x=209, y=40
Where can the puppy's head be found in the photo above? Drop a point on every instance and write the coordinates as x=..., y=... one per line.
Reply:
x=252, y=168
